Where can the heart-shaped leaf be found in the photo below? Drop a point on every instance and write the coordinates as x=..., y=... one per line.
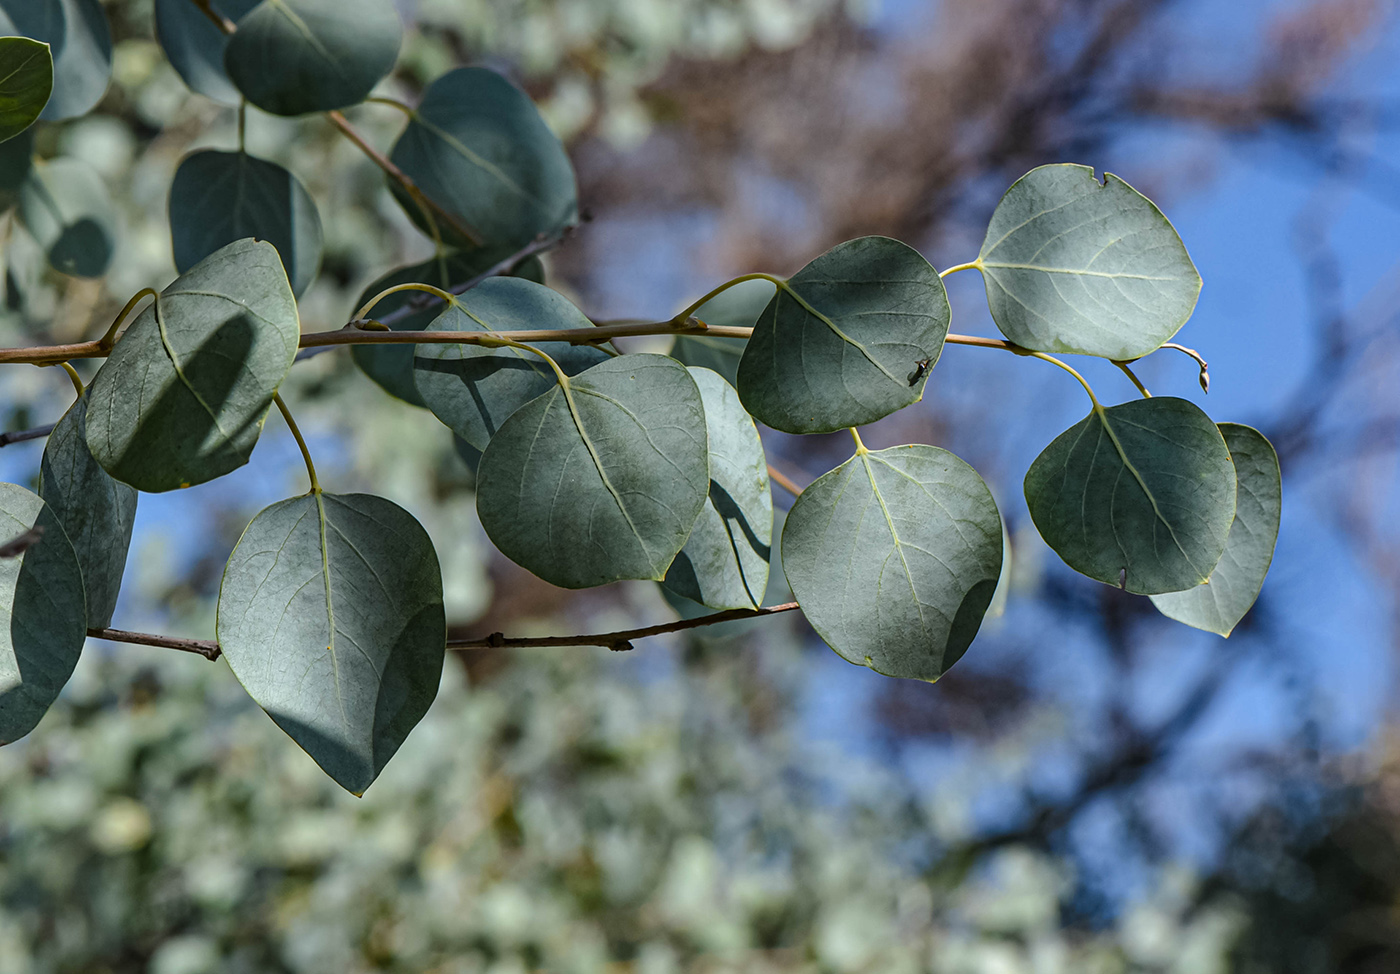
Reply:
x=195, y=46
x=183, y=396
x=65, y=206
x=894, y=557
x=1075, y=265
x=26, y=81
x=41, y=597
x=1140, y=495
x=97, y=512
x=724, y=563
x=848, y=339
x=81, y=46
x=290, y=57
x=477, y=146
x=391, y=366
x=474, y=389
x=331, y=616
x=602, y=477
x=1234, y=585
x=736, y=307
x=220, y=197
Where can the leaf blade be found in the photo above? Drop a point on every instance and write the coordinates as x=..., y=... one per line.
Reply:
x=26, y=82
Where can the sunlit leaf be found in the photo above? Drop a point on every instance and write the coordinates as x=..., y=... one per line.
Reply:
x=1075, y=265
x=81, y=46
x=1140, y=495
x=848, y=339
x=1234, y=585
x=64, y=204
x=894, y=557
x=195, y=46
x=737, y=307
x=602, y=479
x=331, y=616
x=26, y=81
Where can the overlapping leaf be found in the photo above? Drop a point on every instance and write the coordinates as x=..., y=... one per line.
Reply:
x=331, y=616
x=1140, y=495
x=290, y=57
x=1075, y=265
x=220, y=197
x=848, y=339
x=478, y=148
x=600, y=479
x=97, y=512
x=894, y=557
x=724, y=563
x=183, y=396
x=65, y=206
x=474, y=389
x=1235, y=583
x=737, y=307
x=26, y=81
x=16, y=163
x=81, y=46
x=195, y=46
x=41, y=597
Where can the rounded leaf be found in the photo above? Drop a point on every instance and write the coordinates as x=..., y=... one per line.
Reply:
x=220, y=197
x=26, y=81
x=600, y=479
x=81, y=46
x=65, y=206
x=473, y=389
x=894, y=557
x=331, y=616
x=1235, y=583
x=97, y=512
x=41, y=597
x=847, y=340
x=1139, y=495
x=1075, y=265
x=478, y=148
x=735, y=307
x=290, y=57
x=183, y=396
x=724, y=563
x=195, y=46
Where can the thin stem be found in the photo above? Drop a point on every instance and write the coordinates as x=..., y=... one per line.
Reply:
x=972, y=265
x=392, y=103
x=860, y=447
x=220, y=21
x=1054, y=361
x=296, y=433
x=242, y=125
x=20, y=436
x=783, y=480
x=1200, y=360
x=619, y=641
x=204, y=647
x=574, y=336
x=109, y=338
x=684, y=315
x=76, y=379
x=436, y=292
x=1135, y=380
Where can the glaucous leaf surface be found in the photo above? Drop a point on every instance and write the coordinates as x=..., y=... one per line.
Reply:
x=894, y=557
x=391, y=366
x=195, y=47
x=219, y=197
x=26, y=81
x=81, y=46
x=41, y=597
x=1234, y=585
x=1140, y=495
x=290, y=57
x=65, y=206
x=478, y=148
x=724, y=563
x=737, y=307
x=331, y=616
x=96, y=511
x=473, y=389
x=847, y=340
x=183, y=396
x=1075, y=265
x=601, y=479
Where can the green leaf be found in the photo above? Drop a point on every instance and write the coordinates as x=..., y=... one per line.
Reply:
x=724, y=563
x=477, y=147
x=1140, y=494
x=331, y=616
x=183, y=396
x=220, y=197
x=1075, y=265
x=41, y=597
x=848, y=339
x=602, y=479
x=65, y=206
x=737, y=307
x=80, y=43
x=16, y=163
x=894, y=557
x=26, y=81
x=290, y=57
x=472, y=389
x=1234, y=585
x=391, y=366
x=195, y=46
x=97, y=512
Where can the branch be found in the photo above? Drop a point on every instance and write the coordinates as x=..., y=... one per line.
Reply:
x=225, y=25
x=204, y=647
x=617, y=641
x=19, y=436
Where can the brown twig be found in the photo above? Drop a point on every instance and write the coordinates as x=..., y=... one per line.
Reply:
x=204, y=647
x=19, y=436
x=783, y=480
x=220, y=21
x=617, y=641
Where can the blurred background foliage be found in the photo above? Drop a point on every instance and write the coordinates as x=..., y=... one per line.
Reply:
x=1092, y=789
